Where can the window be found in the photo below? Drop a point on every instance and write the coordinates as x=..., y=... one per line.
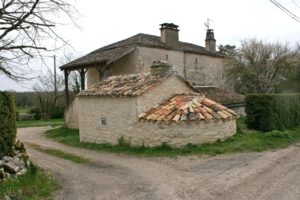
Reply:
x=196, y=60
x=167, y=57
x=103, y=121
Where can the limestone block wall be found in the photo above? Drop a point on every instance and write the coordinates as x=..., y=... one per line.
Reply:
x=92, y=76
x=201, y=70
x=177, y=135
x=120, y=115
x=147, y=55
x=163, y=91
x=125, y=65
x=204, y=70
x=198, y=69
x=71, y=115
x=121, y=121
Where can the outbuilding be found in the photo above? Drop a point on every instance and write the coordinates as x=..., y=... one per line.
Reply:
x=151, y=109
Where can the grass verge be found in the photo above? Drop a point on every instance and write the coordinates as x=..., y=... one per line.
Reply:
x=34, y=185
x=36, y=123
x=244, y=140
x=59, y=153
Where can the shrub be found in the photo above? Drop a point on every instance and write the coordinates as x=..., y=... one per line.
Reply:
x=279, y=134
x=57, y=112
x=7, y=123
x=267, y=112
x=37, y=113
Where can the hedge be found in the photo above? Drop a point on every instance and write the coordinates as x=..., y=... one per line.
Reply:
x=267, y=112
x=7, y=123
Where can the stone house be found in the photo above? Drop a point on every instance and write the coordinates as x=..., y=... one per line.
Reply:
x=151, y=109
x=201, y=66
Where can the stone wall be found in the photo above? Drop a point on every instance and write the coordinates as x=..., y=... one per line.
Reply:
x=177, y=135
x=204, y=70
x=92, y=76
x=163, y=91
x=147, y=55
x=120, y=115
x=121, y=121
x=71, y=115
x=198, y=69
x=125, y=65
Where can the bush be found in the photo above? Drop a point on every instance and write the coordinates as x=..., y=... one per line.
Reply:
x=37, y=113
x=268, y=112
x=279, y=134
x=57, y=112
x=7, y=123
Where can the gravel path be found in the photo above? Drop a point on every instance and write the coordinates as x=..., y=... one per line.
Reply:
x=269, y=175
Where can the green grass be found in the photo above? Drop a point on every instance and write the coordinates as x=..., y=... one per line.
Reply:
x=36, y=123
x=34, y=185
x=60, y=154
x=244, y=140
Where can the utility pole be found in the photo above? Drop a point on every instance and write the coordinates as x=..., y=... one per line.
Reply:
x=55, y=85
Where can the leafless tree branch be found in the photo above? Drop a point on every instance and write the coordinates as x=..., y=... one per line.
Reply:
x=24, y=27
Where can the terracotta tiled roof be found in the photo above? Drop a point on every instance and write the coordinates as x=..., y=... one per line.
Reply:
x=125, y=85
x=222, y=96
x=187, y=107
x=119, y=49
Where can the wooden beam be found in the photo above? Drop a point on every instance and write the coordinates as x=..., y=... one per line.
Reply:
x=82, y=78
x=66, y=72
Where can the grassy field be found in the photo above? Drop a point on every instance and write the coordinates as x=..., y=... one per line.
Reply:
x=59, y=153
x=35, y=123
x=244, y=140
x=35, y=185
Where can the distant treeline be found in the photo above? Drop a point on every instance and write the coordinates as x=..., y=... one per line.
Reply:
x=40, y=104
x=30, y=99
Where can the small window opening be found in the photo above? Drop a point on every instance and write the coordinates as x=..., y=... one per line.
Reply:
x=167, y=57
x=196, y=60
x=103, y=121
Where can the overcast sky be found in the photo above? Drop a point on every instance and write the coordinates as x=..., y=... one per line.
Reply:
x=107, y=21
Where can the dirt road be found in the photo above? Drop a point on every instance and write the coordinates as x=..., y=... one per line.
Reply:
x=269, y=175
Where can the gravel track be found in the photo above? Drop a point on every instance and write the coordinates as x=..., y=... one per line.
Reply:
x=260, y=176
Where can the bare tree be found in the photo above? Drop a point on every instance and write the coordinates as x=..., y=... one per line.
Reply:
x=74, y=81
x=258, y=66
x=24, y=27
x=47, y=98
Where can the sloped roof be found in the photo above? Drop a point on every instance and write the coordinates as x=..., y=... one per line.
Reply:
x=125, y=85
x=222, y=96
x=187, y=107
x=113, y=52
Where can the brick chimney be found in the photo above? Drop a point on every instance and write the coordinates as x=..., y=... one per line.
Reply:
x=160, y=68
x=169, y=33
x=210, y=42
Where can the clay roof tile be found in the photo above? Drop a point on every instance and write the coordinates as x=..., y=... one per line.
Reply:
x=190, y=107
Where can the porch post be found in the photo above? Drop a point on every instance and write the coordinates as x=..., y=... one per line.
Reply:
x=67, y=87
x=82, y=78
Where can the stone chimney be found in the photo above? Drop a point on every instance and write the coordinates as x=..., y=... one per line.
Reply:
x=210, y=42
x=160, y=68
x=169, y=33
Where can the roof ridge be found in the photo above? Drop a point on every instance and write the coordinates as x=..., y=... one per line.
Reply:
x=112, y=51
x=112, y=46
x=125, y=85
